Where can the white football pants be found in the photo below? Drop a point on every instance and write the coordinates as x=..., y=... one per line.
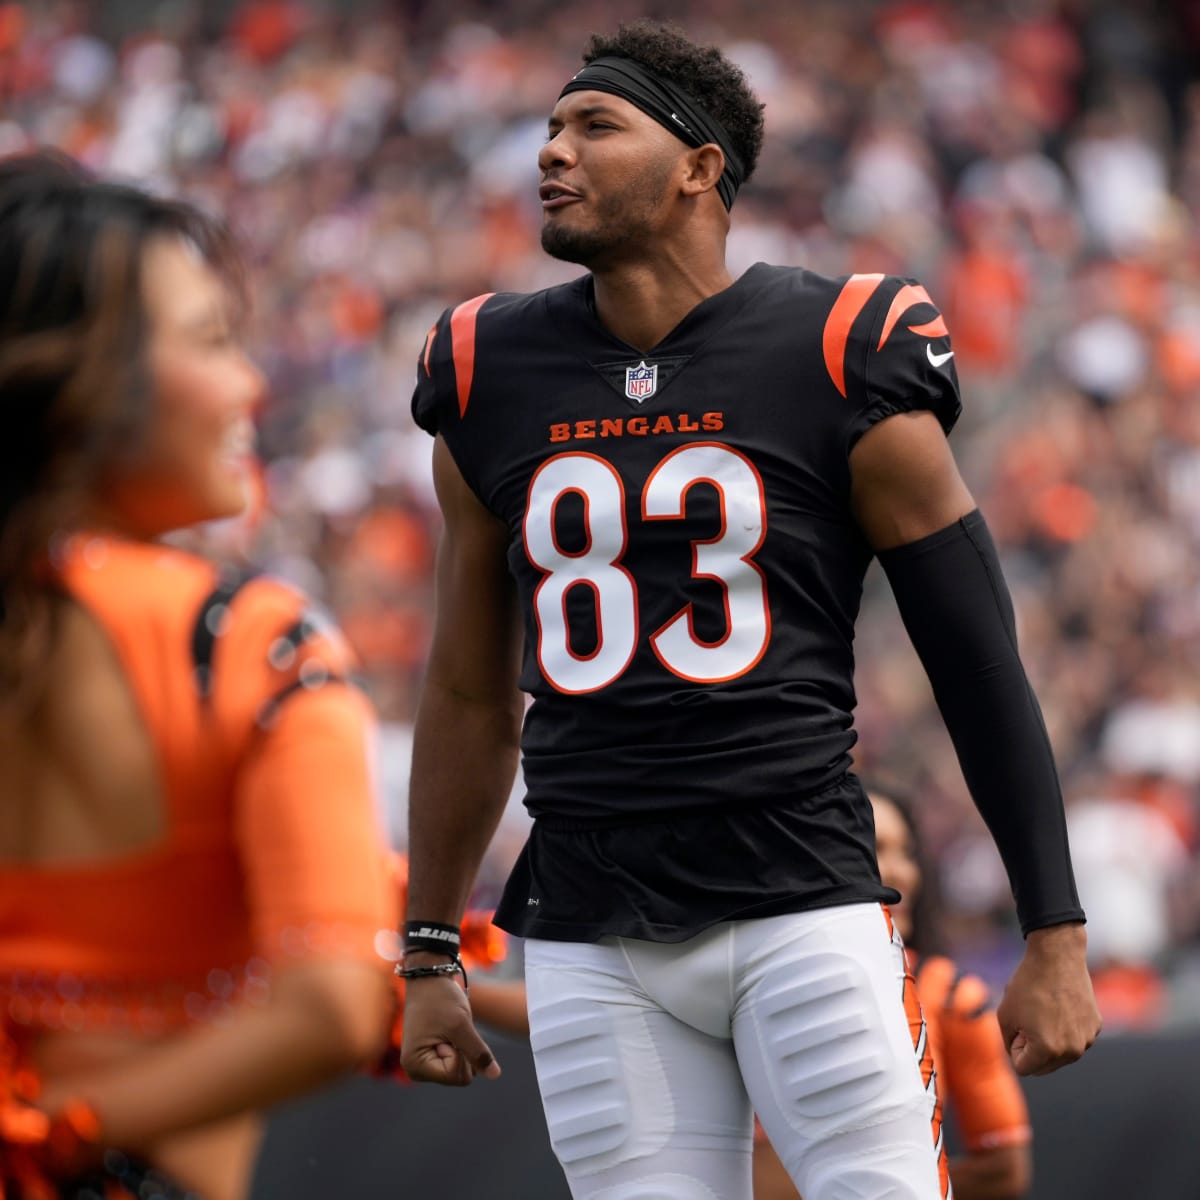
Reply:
x=650, y=1057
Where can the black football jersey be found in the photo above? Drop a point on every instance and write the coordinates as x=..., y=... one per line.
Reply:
x=680, y=533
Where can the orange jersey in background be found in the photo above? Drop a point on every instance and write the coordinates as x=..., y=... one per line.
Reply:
x=976, y=1081
x=272, y=849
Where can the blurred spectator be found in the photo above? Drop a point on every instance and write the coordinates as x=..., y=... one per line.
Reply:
x=1127, y=856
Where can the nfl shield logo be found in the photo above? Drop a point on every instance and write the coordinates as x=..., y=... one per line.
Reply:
x=641, y=381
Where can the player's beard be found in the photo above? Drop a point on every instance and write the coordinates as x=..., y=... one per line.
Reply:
x=622, y=224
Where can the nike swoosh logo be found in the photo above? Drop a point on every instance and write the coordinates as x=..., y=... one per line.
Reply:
x=936, y=360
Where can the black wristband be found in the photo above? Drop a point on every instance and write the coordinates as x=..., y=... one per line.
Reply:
x=433, y=936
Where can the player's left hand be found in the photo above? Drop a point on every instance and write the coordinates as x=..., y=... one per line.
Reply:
x=1049, y=1015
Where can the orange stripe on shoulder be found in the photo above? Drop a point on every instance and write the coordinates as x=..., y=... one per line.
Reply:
x=932, y=329
x=429, y=346
x=908, y=297
x=852, y=299
x=462, y=336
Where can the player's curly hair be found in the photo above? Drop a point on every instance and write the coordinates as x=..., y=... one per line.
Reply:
x=718, y=85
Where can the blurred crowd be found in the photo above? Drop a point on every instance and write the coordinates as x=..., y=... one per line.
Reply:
x=1035, y=162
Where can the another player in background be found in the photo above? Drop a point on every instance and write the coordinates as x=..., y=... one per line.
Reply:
x=976, y=1082
x=662, y=488
x=192, y=874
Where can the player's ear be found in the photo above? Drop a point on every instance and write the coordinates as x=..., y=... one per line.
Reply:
x=704, y=167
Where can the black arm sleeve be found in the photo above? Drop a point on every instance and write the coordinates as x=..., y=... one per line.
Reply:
x=957, y=610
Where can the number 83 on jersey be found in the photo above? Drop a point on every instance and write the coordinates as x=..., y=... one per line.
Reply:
x=727, y=559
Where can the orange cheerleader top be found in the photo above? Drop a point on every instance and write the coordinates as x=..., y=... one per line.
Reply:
x=273, y=848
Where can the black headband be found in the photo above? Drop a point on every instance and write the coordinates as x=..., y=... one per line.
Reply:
x=669, y=105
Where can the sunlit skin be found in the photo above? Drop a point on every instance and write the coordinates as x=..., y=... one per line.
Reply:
x=898, y=866
x=193, y=459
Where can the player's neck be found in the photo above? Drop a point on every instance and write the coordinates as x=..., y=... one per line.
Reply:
x=642, y=302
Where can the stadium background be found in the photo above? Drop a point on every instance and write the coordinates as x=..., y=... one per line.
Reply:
x=1035, y=162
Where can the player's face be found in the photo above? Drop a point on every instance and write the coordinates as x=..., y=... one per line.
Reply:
x=607, y=171
x=193, y=460
x=898, y=865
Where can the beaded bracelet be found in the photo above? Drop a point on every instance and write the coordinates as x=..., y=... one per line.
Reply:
x=454, y=967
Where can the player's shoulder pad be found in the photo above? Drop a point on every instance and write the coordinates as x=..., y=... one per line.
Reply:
x=885, y=340
x=257, y=641
x=448, y=364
